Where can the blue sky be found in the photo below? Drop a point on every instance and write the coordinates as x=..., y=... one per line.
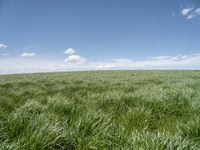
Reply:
x=114, y=34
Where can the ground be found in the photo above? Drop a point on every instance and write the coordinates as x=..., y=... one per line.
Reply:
x=100, y=110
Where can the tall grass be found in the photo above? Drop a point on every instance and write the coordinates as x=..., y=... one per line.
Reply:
x=100, y=110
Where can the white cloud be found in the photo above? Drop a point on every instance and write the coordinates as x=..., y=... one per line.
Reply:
x=3, y=46
x=179, y=57
x=197, y=10
x=28, y=54
x=190, y=13
x=194, y=14
x=190, y=17
x=70, y=51
x=185, y=11
x=76, y=59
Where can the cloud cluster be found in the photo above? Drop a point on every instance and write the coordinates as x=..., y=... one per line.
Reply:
x=190, y=13
x=3, y=46
x=158, y=62
x=73, y=61
x=73, y=58
x=18, y=65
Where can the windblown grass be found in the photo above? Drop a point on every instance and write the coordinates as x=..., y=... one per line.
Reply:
x=100, y=110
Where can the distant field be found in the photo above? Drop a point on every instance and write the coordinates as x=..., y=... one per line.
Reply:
x=100, y=110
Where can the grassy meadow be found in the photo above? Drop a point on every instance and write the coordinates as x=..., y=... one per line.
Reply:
x=100, y=110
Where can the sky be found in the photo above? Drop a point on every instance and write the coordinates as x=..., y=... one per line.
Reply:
x=65, y=35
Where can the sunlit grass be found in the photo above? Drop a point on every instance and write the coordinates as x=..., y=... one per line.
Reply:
x=100, y=110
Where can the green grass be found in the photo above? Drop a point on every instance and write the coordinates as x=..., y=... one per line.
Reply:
x=119, y=110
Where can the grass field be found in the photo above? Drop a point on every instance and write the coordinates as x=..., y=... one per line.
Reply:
x=100, y=110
